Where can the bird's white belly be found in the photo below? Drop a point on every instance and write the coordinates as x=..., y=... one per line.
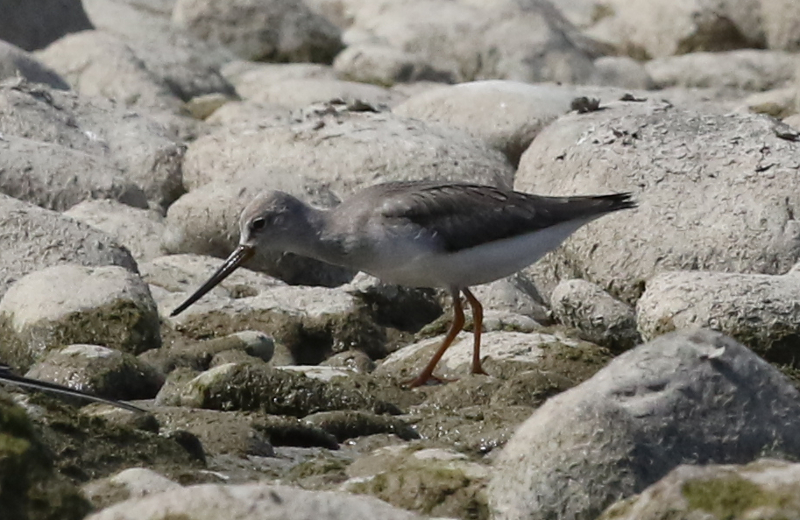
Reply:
x=414, y=266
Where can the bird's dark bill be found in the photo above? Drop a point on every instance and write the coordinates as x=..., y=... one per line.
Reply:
x=239, y=256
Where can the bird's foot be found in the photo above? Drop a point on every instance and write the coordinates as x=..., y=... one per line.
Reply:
x=479, y=370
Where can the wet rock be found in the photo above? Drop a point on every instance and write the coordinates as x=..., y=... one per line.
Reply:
x=32, y=26
x=100, y=371
x=507, y=115
x=140, y=147
x=252, y=502
x=200, y=355
x=219, y=432
x=35, y=238
x=599, y=317
x=503, y=354
x=206, y=221
x=312, y=322
x=348, y=424
x=56, y=177
x=682, y=222
x=766, y=488
x=273, y=30
x=129, y=483
x=385, y=65
x=29, y=487
x=176, y=381
x=353, y=360
x=139, y=230
x=15, y=62
x=689, y=397
x=288, y=431
x=334, y=148
x=761, y=311
x=746, y=69
x=274, y=391
x=69, y=303
x=433, y=481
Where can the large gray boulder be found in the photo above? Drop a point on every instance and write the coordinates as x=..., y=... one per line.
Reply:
x=140, y=147
x=35, y=238
x=716, y=191
x=261, y=30
x=687, y=397
x=759, y=310
x=252, y=502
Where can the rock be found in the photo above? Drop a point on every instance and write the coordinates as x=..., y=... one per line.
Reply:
x=599, y=317
x=189, y=65
x=15, y=62
x=56, y=177
x=33, y=26
x=434, y=481
x=766, y=488
x=129, y=483
x=100, y=371
x=319, y=372
x=529, y=42
x=29, y=485
x=203, y=106
x=760, y=311
x=246, y=386
x=251, y=502
x=299, y=93
x=100, y=64
x=507, y=115
x=341, y=150
x=622, y=72
x=200, y=355
x=353, y=360
x=781, y=19
x=746, y=69
x=686, y=397
x=265, y=30
x=684, y=219
x=385, y=65
x=646, y=29
x=347, y=424
x=250, y=76
x=140, y=230
x=69, y=303
x=137, y=145
x=780, y=103
x=247, y=113
x=219, y=432
x=503, y=353
x=514, y=295
x=35, y=238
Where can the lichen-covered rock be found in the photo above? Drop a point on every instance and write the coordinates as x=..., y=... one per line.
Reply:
x=30, y=489
x=687, y=397
x=767, y=489
x=100, y=371
x=761, y=311
x=68, y=303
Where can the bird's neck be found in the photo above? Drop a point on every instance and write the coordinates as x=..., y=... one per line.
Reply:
x=317, y=240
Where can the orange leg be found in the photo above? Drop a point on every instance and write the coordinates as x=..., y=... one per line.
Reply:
x=477, y=324
x=455, y=328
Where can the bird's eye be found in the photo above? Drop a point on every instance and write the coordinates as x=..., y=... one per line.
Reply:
x=258, y=224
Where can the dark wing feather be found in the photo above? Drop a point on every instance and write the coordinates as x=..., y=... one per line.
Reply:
x=461, y=216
